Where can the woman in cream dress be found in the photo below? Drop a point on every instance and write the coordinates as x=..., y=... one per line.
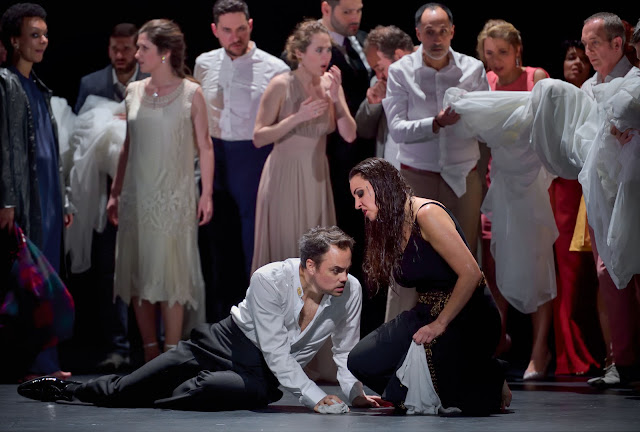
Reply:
x=154, y=196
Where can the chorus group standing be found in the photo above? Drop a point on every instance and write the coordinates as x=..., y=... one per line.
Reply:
x=243, y=100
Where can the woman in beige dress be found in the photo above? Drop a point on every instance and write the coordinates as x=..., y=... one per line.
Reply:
x=154, y=195
x=296, y=113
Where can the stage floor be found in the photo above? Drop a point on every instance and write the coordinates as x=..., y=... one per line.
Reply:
x=561, y=404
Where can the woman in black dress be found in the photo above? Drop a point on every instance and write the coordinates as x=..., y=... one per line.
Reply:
x=418, y=243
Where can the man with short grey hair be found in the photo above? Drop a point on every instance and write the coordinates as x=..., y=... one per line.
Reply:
x=603, y=36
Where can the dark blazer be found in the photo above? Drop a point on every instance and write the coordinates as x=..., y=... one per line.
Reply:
x=355, y=81
x=99, y=83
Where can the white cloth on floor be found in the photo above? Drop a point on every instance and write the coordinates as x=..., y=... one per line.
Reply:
x=523, y=227
x=336, y=408
x=421, y=394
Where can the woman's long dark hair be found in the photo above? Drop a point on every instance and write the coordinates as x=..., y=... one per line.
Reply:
x=384, y=236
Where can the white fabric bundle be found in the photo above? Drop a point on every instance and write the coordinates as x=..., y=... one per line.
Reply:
x=90, y=144
x=421, y=394
x=523, y=227
x=571, y=135
x=336, y=408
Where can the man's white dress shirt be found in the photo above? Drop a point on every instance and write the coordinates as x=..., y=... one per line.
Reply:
x=620, y=70
x=415, y=94
x=269, y=317
x=233, y=88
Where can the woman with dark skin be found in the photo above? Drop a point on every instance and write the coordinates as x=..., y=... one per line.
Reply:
x=25, y=37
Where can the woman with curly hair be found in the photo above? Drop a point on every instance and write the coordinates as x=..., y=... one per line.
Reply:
x=297, y=112
x=417, y=242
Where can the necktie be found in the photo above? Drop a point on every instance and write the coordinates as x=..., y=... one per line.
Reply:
x=352, y=55
x=118, y=92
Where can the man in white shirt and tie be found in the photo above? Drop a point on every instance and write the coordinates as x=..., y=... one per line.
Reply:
x=436, y=163
x=233, y=79
x=291, y=308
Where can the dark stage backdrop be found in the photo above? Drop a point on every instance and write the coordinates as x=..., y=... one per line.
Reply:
x=79, y=30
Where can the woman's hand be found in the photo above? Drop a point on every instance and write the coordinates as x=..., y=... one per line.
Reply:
x=112, y=210
x=310, y=108
x=205, y=209
x=335, y=81
x=370, y=402
x=428, y=333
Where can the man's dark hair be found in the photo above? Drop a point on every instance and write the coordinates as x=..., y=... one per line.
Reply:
x=387, y=39
x=432, y=6
x=317, y=241
x=222, y=7
x=124, y=30
x=12, y=19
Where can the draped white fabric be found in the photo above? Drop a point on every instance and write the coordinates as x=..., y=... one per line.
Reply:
x=570, y=134
x=523, y=228
x=610, y=178
x=421, y=394
x=91, y=141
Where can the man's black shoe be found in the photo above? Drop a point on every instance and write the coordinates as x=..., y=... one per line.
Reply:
x=47, y=389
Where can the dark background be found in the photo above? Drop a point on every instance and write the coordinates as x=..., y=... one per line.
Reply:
x=79, y=31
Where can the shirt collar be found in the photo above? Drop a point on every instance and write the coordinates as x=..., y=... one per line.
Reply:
x=337, y=38
x=115, y=79
x=619, y=70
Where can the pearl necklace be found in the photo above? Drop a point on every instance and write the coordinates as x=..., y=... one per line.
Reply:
x=155, y=92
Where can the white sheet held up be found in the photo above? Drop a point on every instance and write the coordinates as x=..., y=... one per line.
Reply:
x=96, y=140
x=571, y=135
x=523, y=227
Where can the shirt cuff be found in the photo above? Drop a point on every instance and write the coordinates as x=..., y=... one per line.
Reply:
x=356, y=390
x=312, y=397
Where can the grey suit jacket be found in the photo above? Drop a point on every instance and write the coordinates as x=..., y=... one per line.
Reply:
x=99, y=83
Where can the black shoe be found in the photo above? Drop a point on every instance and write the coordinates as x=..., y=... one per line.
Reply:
x=47, y=389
